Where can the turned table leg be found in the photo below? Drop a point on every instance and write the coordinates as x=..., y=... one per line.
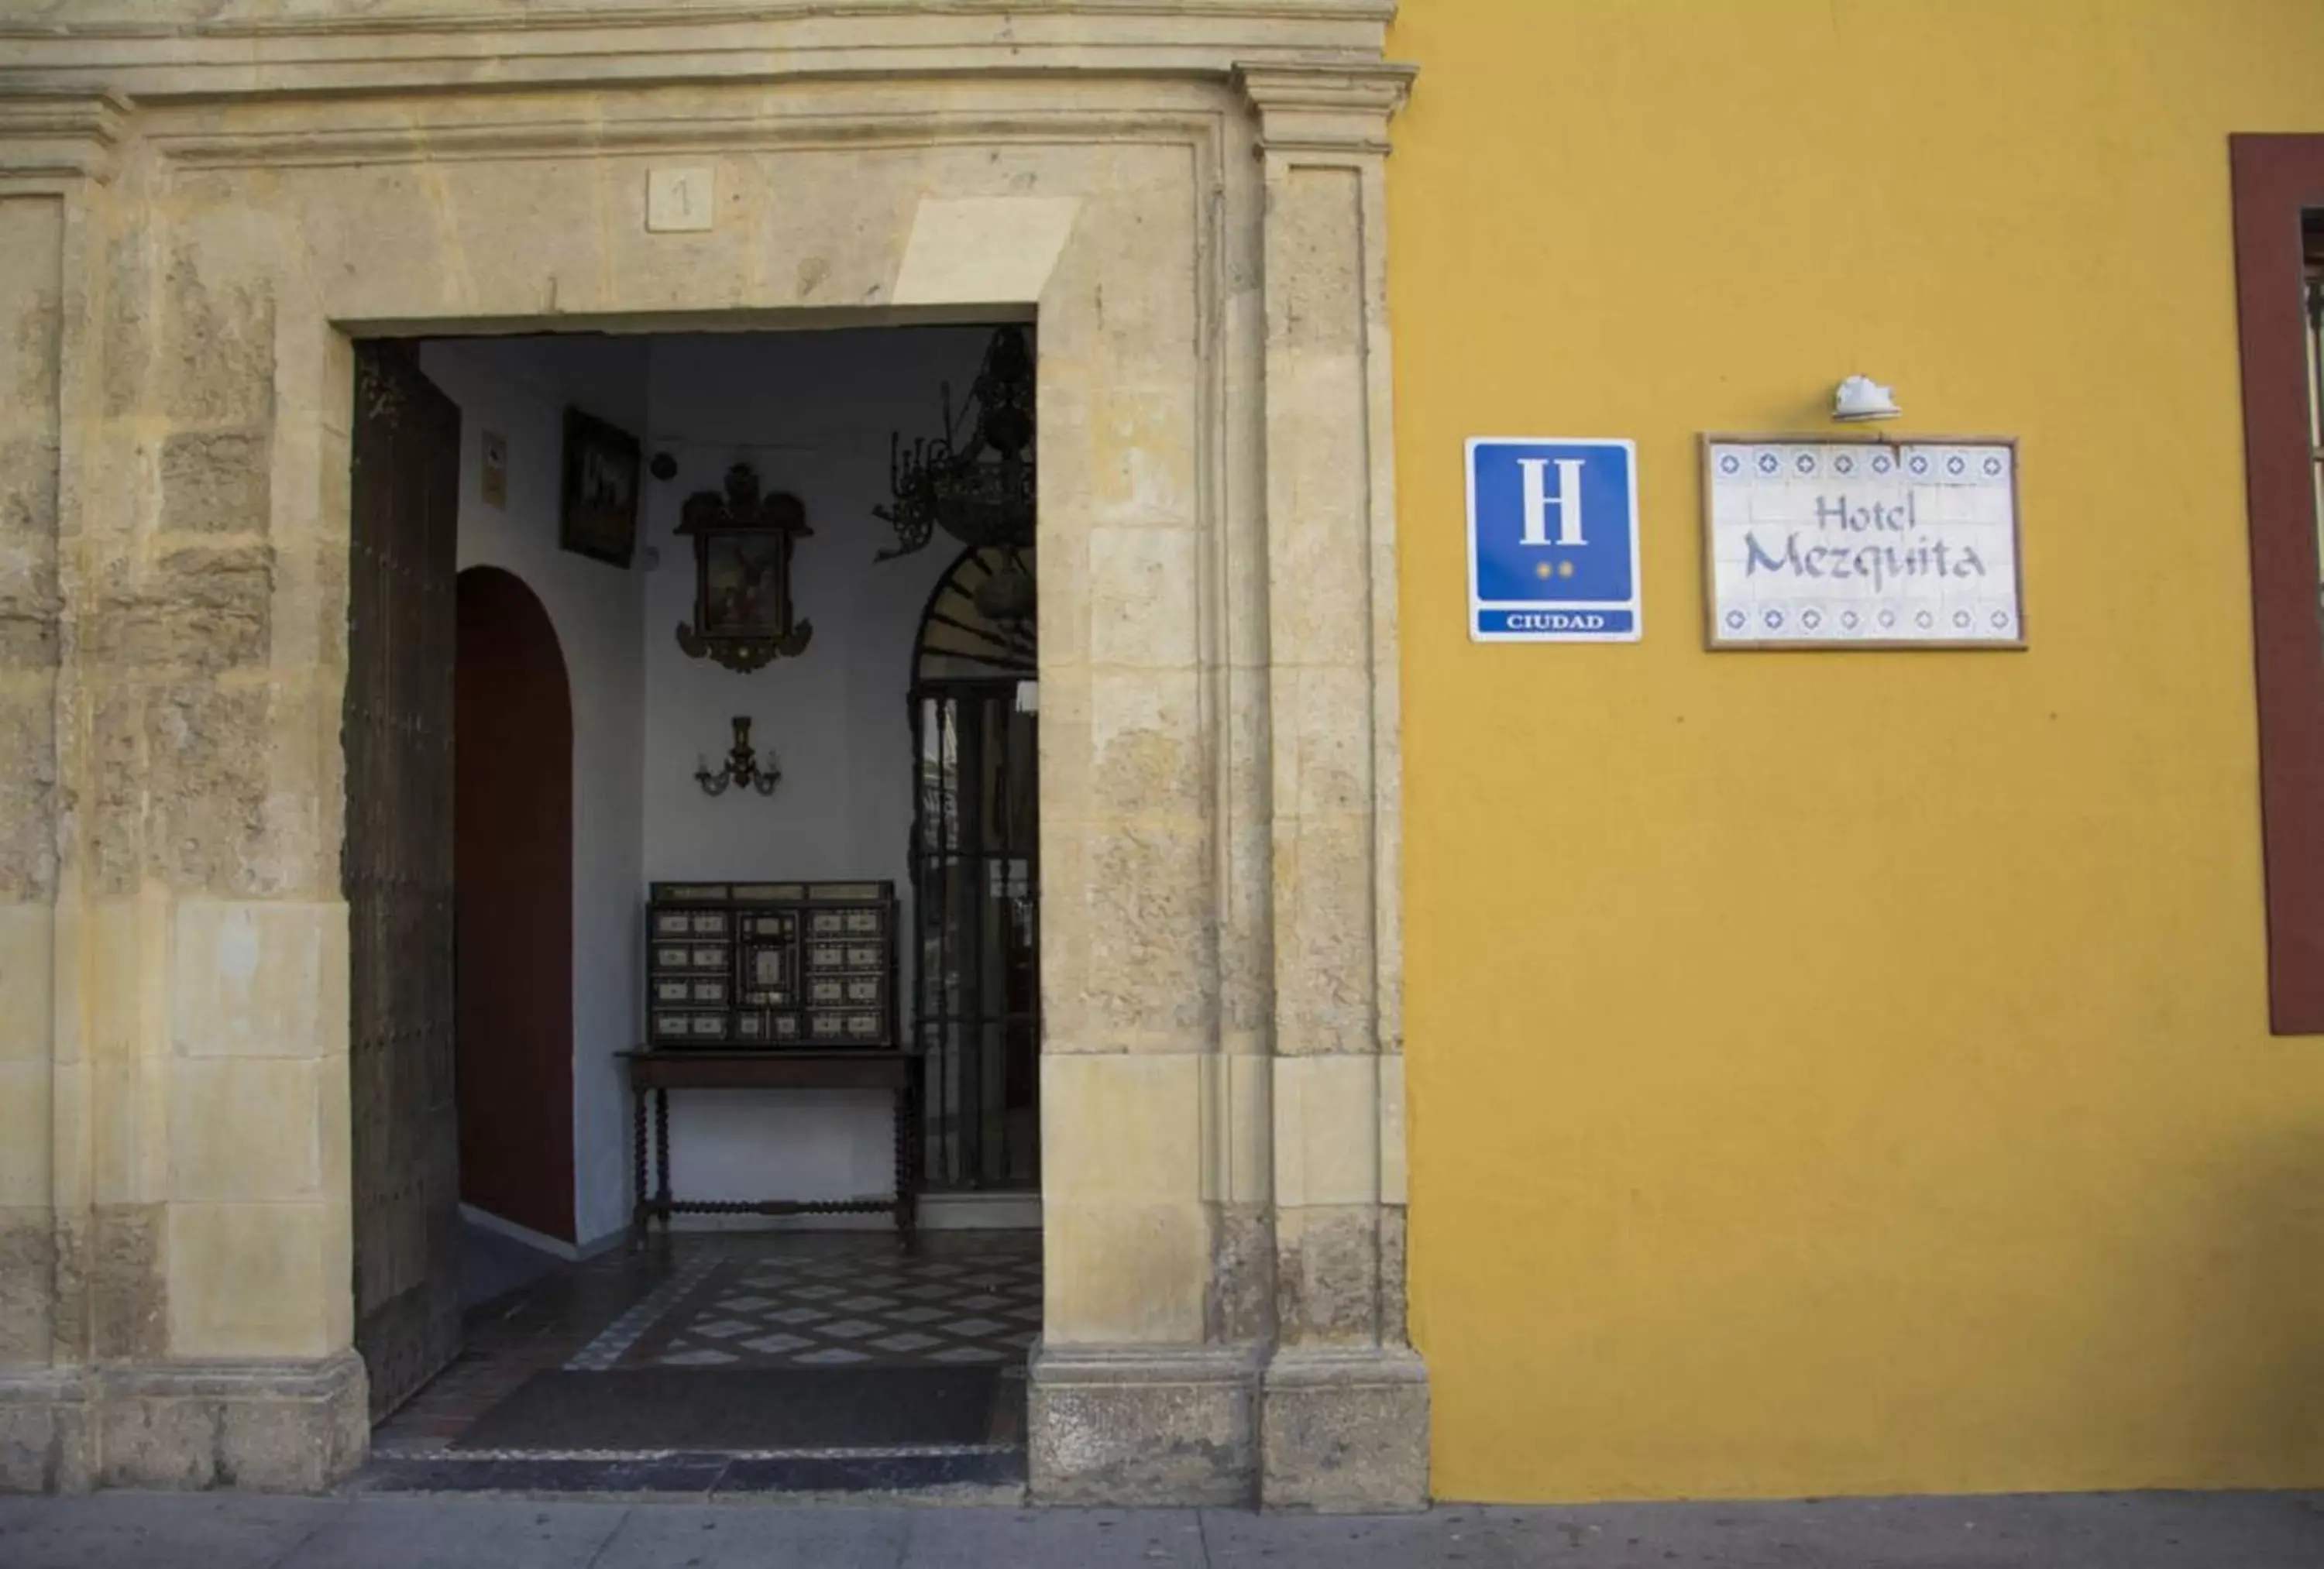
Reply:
x=661, y=1157
x=900, y=1118
x=640, y=1213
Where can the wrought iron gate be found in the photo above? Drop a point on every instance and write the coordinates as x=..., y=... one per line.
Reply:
x=976, y=857
x=397, y=872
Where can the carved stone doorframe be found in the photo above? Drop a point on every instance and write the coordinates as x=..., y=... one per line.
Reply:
x=1186, y=195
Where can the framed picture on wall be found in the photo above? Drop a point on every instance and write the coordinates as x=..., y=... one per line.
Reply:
x=742, y=544
x=599, y=518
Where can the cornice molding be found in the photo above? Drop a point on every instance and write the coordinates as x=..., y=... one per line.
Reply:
x=68, y=134
x=550, y=137
x=1325, y=108
x=149, y=18
x=504, y=43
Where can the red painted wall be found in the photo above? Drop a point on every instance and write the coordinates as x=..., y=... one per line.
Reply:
x=513, y=842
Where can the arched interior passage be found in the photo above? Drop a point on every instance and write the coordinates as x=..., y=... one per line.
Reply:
x=976, y=870
x=513, y=849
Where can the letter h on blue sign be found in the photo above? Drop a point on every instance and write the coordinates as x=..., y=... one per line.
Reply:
x=1553, y=527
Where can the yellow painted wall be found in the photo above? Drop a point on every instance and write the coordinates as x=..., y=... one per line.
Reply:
x=1844, y=1072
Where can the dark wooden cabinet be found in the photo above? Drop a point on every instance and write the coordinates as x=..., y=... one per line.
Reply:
x=770, y=985
x=741, y=967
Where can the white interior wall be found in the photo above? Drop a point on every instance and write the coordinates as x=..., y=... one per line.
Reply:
x=518, y=387
x=812, y=413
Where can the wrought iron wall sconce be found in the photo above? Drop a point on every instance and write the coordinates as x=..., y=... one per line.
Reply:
x=741, y=766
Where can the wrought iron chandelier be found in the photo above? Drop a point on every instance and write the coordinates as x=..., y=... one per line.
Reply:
x=974, y=480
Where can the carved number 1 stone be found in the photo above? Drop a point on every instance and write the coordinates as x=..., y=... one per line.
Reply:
x=677, y=199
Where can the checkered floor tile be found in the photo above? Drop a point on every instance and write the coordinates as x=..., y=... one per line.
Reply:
x=863, y=1305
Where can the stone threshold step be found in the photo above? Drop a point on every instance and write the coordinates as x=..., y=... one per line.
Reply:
x=980, y=1469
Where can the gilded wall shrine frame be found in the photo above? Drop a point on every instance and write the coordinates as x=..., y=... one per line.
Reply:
x=743, y=541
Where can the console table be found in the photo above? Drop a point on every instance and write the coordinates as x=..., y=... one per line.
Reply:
x=660, y=1072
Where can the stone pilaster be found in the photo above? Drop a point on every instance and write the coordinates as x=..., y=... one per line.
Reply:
x=170, y=1292
x=57, y=153
x=1344, y=1400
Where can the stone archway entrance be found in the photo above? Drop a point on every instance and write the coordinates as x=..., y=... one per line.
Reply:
x=1189, y=202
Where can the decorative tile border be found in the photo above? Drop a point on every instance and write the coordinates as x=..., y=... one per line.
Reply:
x=623, y=1333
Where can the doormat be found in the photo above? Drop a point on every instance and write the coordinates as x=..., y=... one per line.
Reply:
x=748, y=1409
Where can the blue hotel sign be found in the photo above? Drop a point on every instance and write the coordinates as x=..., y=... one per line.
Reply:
x=1552, y=541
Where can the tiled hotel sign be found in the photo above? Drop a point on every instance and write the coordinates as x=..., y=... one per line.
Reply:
x=1552, y=541
x=1862, y=544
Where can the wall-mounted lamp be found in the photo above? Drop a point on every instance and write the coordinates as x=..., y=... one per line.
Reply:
x=741, y=767
x=1860, y=399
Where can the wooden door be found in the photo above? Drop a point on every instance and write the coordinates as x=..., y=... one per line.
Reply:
x=397, y=870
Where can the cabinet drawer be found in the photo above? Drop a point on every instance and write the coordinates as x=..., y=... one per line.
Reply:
x=691, y=991
x=846, y=991
x=847, y=956
x=697, y=955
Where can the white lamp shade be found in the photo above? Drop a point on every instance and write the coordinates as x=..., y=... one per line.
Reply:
x=1861, y=398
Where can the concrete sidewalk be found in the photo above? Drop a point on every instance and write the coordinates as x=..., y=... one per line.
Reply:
x=2082, y=1531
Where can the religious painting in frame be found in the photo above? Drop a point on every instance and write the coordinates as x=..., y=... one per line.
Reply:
x=744, y=538
x=741, y=597
x=1815, y=541
x=599, y=515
